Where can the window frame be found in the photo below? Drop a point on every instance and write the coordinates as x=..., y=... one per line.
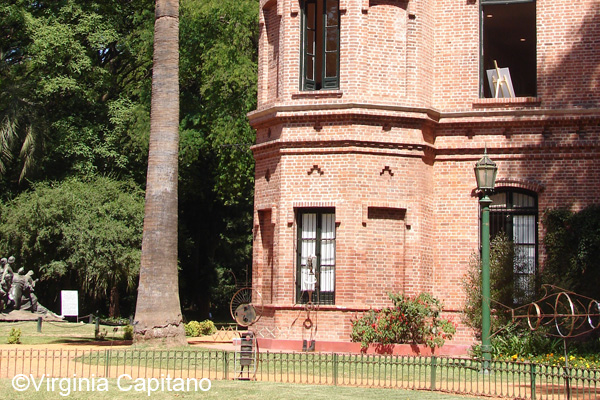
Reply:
x=320, y=79
x=509, y=211
x=319, y=296
x=482, y=69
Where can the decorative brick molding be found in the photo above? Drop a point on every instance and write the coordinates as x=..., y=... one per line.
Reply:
x=535, y=187
x=507, y=102
x=318, y=94
x=388, y=170
x=311, y=204
x=315, y=168
x=380, y=205
x=272, y=209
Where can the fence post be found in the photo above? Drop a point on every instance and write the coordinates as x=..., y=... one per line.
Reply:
x=225, y=365
x=97, y=328
x=433, y=374
x=335, y=369
x=39, y=324
x=107, y=361
x=532, y=376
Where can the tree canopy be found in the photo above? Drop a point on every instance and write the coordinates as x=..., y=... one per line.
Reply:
x=572, y=244
x=81, y=234
x=75, y=86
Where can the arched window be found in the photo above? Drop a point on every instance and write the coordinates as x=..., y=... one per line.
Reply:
x=515, y=213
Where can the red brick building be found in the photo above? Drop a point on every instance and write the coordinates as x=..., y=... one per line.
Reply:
x=371, y=115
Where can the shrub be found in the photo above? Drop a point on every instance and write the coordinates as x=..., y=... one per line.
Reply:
x=207, y=327
x=14, y=336
x=501, y=286
x=195, y=328
x=514, y=342
x=192, y=328
x=127, y=332
x=411, y=320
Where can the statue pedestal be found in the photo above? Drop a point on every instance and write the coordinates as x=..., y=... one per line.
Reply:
x=22, y=315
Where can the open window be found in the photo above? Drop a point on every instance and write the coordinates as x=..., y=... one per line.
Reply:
x=320, y=58
x=508, y=40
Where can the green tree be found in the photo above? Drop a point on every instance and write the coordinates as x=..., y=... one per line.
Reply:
x=218, y=88
x=68, y=69
x=572, y=243
x=77, y=234
x=75, y=99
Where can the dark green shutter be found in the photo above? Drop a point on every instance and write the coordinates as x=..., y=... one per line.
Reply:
x=309, y=45
x=331, y=45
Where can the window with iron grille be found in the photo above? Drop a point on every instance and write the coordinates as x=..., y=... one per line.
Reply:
x=315, y=272
x=516, y=214
x=320, y=55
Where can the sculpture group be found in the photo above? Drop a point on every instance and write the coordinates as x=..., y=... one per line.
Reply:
x=17, y=289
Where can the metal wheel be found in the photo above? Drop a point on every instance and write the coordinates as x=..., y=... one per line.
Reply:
x=246, y=306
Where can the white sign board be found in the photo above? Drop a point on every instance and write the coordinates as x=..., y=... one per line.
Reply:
x=69, y=303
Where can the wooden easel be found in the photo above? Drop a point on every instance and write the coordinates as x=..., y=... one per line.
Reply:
x=501, y=80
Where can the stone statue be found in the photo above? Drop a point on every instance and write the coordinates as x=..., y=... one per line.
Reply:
x=4, y=286
x=17, y=290
x=7, y=271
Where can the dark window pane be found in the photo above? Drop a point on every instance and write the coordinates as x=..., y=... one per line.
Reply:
x=331, y=39
x=331, y=65
x=332, y=13
x=310, y=15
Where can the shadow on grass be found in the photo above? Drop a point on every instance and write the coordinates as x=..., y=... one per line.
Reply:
x=90, y=341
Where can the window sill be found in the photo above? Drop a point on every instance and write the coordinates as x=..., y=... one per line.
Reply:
x=320, y=307
x=507, y=102
x=318, y=94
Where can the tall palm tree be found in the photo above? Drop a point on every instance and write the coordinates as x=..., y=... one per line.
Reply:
x=158, y=311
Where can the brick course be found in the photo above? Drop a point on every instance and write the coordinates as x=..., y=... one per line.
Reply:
x=393, y=149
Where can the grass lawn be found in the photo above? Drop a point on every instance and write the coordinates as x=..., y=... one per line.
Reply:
x=58, y=332
x=233, y=390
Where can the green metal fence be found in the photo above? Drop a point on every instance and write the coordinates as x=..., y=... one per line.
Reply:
x=457, y=375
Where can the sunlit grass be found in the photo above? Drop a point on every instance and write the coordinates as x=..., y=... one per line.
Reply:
x=232, y=390
x=58, y=332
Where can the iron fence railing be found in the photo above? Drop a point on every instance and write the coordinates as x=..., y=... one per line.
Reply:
x=457, y=375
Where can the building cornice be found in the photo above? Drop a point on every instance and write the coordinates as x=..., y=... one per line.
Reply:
x=505, y=113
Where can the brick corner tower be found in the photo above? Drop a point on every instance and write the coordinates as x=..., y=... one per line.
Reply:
x=371, y=115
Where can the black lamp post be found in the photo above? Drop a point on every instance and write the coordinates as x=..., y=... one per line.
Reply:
x=485, y=173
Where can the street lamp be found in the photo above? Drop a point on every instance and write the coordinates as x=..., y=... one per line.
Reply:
x=485, y=173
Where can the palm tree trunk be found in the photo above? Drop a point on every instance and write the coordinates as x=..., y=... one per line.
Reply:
x=158, y=311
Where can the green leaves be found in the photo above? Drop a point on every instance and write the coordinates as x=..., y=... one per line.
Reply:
x=75, y=87
x=85, y=234
x=572, y=243
x=61, y=65
x=502, y=286
x=411, y=320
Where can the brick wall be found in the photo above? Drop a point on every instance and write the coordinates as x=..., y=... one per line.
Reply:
x=393, y=149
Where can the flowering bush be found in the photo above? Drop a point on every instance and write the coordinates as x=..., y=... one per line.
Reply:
x=411, y=320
